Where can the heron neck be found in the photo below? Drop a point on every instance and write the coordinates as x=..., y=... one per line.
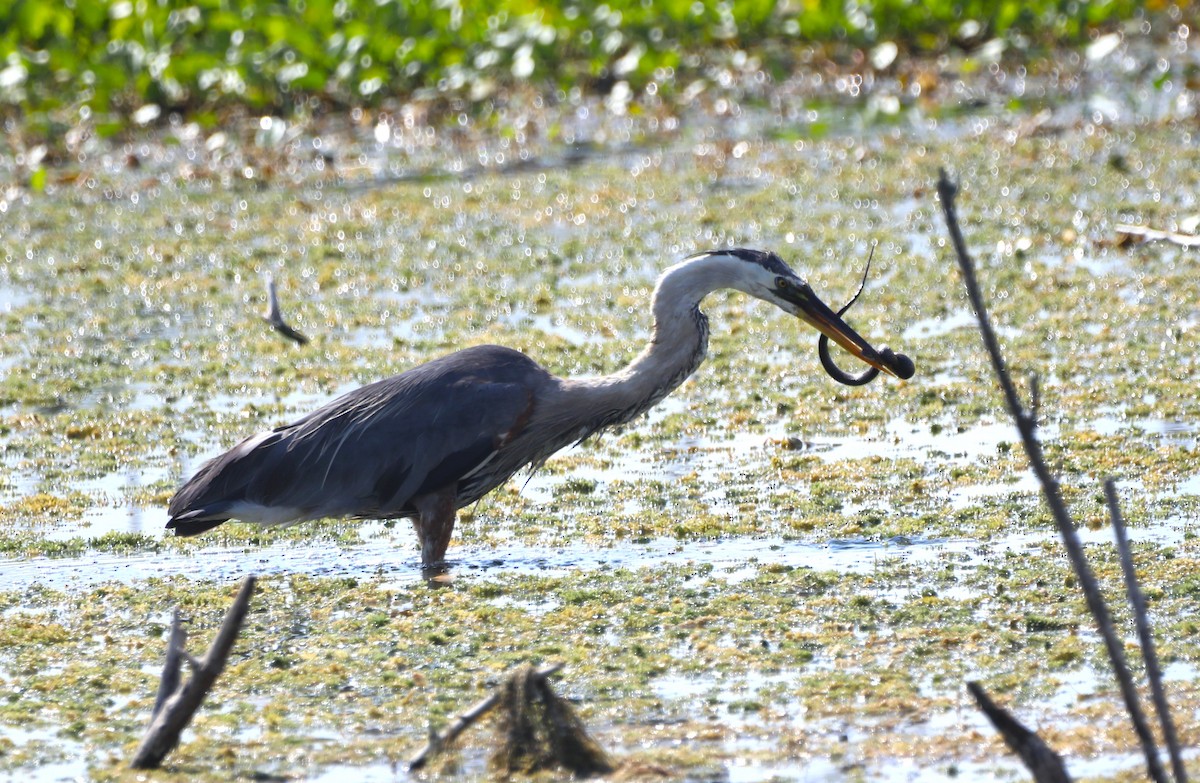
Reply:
x=676, y=349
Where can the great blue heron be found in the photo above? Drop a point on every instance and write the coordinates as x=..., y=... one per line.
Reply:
x=429, y=441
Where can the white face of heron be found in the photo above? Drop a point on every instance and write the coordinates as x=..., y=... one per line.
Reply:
x=750, y=272
x=761, y=275
x=790, y=294
x=766, y=277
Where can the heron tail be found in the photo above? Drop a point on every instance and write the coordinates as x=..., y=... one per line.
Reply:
x=193, y=523
x=217, y=491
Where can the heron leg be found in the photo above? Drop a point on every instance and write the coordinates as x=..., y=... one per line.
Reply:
x=434, y=525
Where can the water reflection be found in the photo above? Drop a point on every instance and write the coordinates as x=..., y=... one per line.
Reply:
x=389, y=554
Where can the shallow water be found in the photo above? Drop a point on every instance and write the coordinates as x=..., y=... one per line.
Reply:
x=115, y=511
x=390, y=554
x=382, y=275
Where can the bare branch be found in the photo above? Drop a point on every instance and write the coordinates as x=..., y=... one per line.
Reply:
x=172, y=716
x=1035, y=397
x=1058, y=509
x=274, y=315
x=439, y=740
x=1137, y=601
x=1147, y=234
x=1043, y=763
x=193, y=662
x=175, y=653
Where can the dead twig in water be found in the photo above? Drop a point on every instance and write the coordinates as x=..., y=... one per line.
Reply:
x=540, y=730
x=176, y=650
x=1147, y=234
x=1044, y=764
x=1027, y=427
x=465, y=719
x=274, y=315
x=1137, y=602
x=173, y=710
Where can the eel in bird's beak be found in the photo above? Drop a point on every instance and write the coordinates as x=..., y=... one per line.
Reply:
x=805, y=304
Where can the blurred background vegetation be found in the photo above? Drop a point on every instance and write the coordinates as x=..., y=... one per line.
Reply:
x=116, y=63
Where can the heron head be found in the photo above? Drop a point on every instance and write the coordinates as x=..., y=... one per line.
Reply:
x=765, y=275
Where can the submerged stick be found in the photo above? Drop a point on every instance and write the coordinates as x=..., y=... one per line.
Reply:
x=1137, y=602
x=465, y=719
x=274, y=315
x=175, y=655
x=172, y=714
x=1027, y=427
x=540, y=731
x=1147, y=234
x=1043, y=763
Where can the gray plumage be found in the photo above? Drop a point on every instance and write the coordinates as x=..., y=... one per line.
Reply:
x=429, y=441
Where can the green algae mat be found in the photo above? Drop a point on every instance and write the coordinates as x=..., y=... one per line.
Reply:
x=770, y=576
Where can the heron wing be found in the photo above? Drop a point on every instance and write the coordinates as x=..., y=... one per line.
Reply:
x=370, y=452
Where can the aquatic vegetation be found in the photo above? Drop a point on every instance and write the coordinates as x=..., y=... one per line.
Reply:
x=120, y=64
x=768, y=567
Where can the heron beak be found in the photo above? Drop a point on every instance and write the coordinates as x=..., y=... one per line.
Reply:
x=812, y=310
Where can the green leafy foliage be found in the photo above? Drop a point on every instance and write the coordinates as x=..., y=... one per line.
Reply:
x=111, y=57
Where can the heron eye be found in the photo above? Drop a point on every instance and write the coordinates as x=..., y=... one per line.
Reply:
x=782, y=283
